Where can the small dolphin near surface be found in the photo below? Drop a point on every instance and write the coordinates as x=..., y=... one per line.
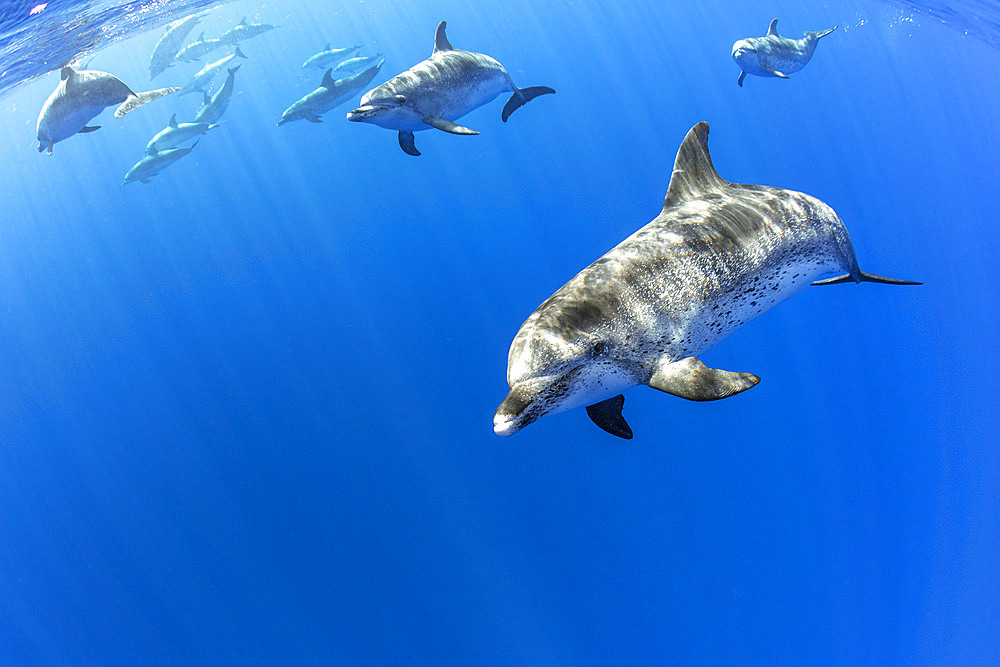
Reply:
x=207, y=73
x=330, y=93
x=215, y=105
x=168, y=46
x=175, y=134
x=79, y=97
x=328, y=57
x=437, y=91
x=773, y=55
x=197, y=50
x=718, y=255
x=354, y=64
x=151, y=165
x=245, y=31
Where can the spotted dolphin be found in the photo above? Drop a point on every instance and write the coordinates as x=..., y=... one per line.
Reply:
x=207, y=73
x=329, y=94
x=79, y=97
x=328, y=57
x=215, y=105
x=175, y=134
x=437, y=91
x=773, y=55
x=170, y=43
x=198, y=49
x=245, y=31
x=151, y=165
x=718, y=255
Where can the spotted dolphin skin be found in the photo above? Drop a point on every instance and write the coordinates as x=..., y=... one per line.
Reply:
x=718, y=255
x=437, y=91
x=774, y=55
x=170, y=43
x=79, y=97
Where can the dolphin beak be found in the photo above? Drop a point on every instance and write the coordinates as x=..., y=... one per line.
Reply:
x=514, y=414
x=359, y=114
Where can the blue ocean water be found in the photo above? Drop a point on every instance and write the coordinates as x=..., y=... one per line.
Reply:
x=247, y=408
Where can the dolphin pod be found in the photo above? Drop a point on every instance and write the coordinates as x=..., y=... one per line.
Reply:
x=718, y=255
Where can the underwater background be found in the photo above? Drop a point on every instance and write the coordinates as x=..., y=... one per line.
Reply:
x=246, y=409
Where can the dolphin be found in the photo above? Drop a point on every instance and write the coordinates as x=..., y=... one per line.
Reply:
x=79, y=97
x=215, y=105
x=199, y=49
x=207, y=73
x=151, y=165
x=354, y=64
x=245, y=31
x=718, y=255
x=165, y=49
x=327, y=96
x=328, y=57
x=773, y=55
x=436, y=91
x=175, y=134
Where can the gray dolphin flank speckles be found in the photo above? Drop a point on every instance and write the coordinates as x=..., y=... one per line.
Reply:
x=774, y=55
x=718, y=255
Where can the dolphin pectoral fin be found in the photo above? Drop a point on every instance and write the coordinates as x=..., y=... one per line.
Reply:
x=608, y=416
x=776, y=73
x=144, y=180
x=521, y=97
x=89, y=128
x=406, y=143
x=691, y=379
x=743, y=75
x=864, y=278
x=135, y=101
x=448, y=126
x=313, y=118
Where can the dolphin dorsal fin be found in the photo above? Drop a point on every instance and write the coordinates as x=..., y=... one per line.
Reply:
x=327, y=47
x=694, y=174
x=773, y=28
x=328, y=81
x=441, y=42
x=243, y=21
x=201, y=37
x=66, y=73
x=173, y=121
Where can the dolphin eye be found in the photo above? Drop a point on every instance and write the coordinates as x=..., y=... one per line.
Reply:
x=400, y=99
x=598, y=349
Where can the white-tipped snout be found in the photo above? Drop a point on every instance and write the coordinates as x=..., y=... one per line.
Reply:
x=503, y=425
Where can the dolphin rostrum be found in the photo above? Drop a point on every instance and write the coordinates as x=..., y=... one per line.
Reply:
x=773, y=55
x=79, y=97
x=718, y=255
x=437, y=91
x=168, y=46
x=329, y=94
x=215, y=105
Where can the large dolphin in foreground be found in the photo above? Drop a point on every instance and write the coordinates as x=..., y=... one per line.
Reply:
x=718, y=255
x=329, y=94
x=79, y=97
x=437, y=91
x=774, y=55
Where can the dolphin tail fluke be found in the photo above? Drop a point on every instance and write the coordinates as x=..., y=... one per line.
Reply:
x=863, y=277
x=608, y=416
x=820, y=33
x=521, y=97
x=135, y=101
